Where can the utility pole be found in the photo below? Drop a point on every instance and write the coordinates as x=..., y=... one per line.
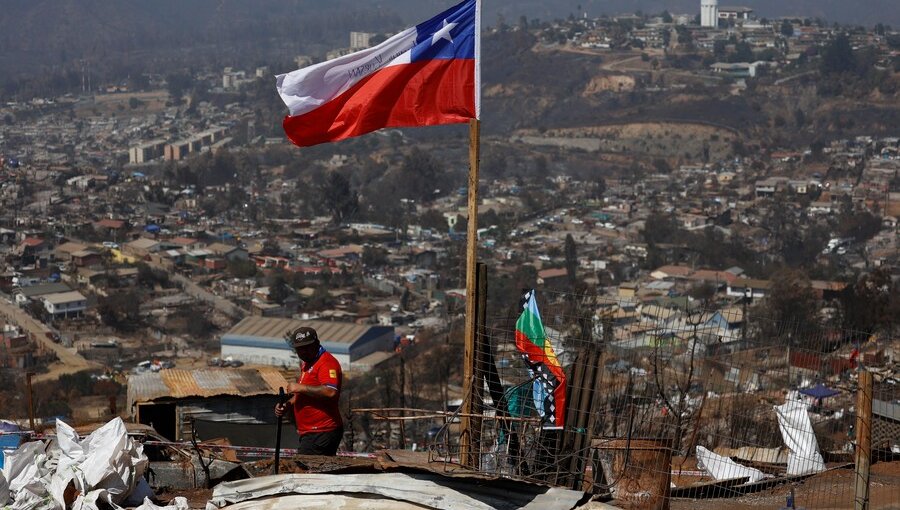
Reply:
x=863, y=455
x=748, y=295
x=28, y=376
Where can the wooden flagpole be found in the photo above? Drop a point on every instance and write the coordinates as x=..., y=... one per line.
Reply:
x=467, y=456
x=467, y=437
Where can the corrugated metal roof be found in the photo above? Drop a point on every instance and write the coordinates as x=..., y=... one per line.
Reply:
x=275, y=328
x=177, y=383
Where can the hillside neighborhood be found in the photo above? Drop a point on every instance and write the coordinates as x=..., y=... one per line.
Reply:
x=706, y=207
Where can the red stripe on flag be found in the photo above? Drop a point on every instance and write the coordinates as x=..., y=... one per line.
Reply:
x=537, y=355
x=421, y=94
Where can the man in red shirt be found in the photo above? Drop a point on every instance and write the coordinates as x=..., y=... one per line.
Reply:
x=315, y=395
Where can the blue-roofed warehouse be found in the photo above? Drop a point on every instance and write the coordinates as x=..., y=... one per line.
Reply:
x=260, y=341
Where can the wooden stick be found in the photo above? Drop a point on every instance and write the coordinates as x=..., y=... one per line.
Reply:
x=435, y=414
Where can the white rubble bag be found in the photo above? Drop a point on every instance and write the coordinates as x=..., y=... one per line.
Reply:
x=723, y=468
x=28, y=471
x=105, y=469
x=106, y=460
x=798, y=435
x=4, y=490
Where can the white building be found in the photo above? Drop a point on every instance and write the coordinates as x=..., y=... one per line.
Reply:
x=360, y=40
x=146, y=151
x=709, y=13
x=65, y=305
x=735, y=13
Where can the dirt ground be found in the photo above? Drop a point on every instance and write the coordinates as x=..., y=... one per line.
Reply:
x=829, y=490
x=196, y=498
x=118, y=103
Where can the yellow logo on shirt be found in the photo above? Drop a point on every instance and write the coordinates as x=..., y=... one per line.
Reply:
x=332, y=373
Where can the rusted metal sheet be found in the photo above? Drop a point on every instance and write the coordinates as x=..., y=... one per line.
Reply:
x=177, y=383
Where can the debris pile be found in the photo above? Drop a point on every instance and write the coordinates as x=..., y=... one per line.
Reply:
x=105, y=469
x=796, y=432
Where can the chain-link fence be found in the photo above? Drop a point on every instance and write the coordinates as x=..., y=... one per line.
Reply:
x=678, y=402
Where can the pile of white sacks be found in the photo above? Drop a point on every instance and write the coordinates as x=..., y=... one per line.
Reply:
x=105, y=469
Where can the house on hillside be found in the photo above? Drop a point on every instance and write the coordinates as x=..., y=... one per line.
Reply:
x=554, y=279
x=64, y=251
x=86, y=258
x=671, y=271
x=142, y=247
x=33, y=251
x=15, y=349
x=65, y=305
x=23, y=295
x=228, y=252
x=111, y=229
x=183, y=243
x=746, y=287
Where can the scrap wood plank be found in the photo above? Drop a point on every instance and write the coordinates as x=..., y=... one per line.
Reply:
x=566, y=446
x=773, y=482
x=580, y=437
x=738, y=487
x=713, y=489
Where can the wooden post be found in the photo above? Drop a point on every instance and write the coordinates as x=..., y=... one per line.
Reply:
x=863, y=439
x=28, y=376
x=477, y=407
x=465, y=437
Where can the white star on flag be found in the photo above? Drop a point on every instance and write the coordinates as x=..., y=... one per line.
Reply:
x=443, y=33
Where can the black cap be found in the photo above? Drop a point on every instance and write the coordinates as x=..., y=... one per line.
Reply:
x=301, y=337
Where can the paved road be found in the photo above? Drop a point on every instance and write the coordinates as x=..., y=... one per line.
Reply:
x=192, y=289
x=795, y=77
x=69, y=362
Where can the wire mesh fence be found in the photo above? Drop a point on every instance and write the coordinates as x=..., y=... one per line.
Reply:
x=679, y=403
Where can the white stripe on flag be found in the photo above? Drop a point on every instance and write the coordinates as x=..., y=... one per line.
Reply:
x=308, y=88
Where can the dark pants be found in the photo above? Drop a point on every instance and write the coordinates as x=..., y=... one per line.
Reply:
x=320, y=443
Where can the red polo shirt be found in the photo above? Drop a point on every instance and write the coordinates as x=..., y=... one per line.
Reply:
x=313, y=414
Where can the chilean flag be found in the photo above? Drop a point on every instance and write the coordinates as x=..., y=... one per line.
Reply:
x=423, y=76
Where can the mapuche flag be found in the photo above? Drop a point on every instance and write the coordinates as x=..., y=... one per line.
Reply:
x=425, y=75
x=550, y=380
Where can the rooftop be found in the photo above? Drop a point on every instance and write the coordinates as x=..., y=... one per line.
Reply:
x=275, y=328
x=64, y=297
x=43, y=290
x=208, y=382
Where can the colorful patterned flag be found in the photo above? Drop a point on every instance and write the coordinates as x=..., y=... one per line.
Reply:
x=549, y=379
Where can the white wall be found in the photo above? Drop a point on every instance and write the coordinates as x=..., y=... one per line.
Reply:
x=272, y=357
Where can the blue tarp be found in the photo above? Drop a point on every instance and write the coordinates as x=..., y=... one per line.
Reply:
x=8, y=442
x=152, y=228
x=819, y=391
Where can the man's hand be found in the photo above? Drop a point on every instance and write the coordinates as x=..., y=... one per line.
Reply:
x=280, y=409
